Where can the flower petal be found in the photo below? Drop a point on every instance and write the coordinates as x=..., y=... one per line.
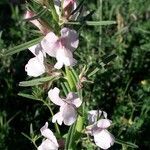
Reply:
x=103, y=123
x=47, y=133
x=104, y=139
x=53, y=95
x=74, y=99
x=36, y=49
x=48, y=145
x=93, y=115
x=58, y=117
x=65, y=57
x=70, y=37
x=58, y=65
x=69, y=114
x=50, y=44
x=35, y=67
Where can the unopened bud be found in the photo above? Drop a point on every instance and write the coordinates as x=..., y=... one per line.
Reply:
x=69, y=6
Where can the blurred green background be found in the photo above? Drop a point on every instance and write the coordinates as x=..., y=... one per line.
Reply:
x=121, y=87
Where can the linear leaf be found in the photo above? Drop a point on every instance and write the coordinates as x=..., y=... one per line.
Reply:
x=22, y=47
x=92, y=23
x=70, y=135
x=28, y=96
x=37, y=81
x=129, y=144
x=93, y=72
x=107, y=58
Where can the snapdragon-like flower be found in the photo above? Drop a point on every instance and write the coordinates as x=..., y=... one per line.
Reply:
x=50, y=143
x=102, y=137
x=37, y=22
x=61, y=47
x=35, y=66
x=68, y=107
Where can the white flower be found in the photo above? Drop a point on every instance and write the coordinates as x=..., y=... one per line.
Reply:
x=67, y=112
x=61, y=47
x=35, y=66
x=102, y=137
x=50, y=143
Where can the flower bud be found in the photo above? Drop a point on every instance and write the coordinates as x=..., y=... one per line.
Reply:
x=37, y=22
x=69, y=6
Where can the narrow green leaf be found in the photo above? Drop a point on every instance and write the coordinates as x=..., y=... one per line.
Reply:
x=129, y=144
x=92, y=23
x=25, y=135
x=93, y=72
x=28, y=96
x=22, y=47
x=74, y=73
x=107, y=58
x=64, y=88
x=37, y=81
x=53, y=10
x=66, y=84
x=69, y=140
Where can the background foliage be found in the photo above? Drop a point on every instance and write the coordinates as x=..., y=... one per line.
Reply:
x=121, y=87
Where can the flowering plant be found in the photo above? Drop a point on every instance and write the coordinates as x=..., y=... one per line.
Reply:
x=53, y=63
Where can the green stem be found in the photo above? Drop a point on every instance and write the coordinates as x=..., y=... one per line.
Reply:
x=34, y=144
x=75, y=130
x=56, y=125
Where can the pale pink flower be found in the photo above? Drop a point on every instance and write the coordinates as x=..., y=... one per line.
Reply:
x=35, y=66
x=68, y=6
x=36, y=22
x=68, y=107
x=102, y=137
x=50, y=143
x=61, y=47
